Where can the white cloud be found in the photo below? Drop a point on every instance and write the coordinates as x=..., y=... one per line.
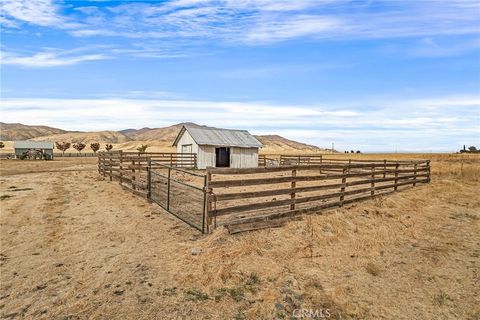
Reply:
x=39, y=12
x=297, y=26
x=254, y=21
x=48, y=58
x=422, y=124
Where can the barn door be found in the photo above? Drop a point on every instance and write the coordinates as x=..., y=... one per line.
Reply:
x=222, y=157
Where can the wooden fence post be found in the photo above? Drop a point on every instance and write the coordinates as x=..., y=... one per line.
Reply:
x=149, y=179
x=168, y=188
x=104, y=163
x=415, y=175
x=133, y=175
x=208, y=199
x=372, y=185
x=384, y=168
x=120, y=167
x=396, y=177
x=344, y=184
x=111, y=163
x=428, y=171
x=293, y=186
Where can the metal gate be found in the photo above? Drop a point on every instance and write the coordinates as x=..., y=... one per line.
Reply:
x=180, y=192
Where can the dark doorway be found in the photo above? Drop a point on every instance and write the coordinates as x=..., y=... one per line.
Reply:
x=222, y=157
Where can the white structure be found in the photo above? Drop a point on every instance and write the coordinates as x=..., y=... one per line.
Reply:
x=219, y=147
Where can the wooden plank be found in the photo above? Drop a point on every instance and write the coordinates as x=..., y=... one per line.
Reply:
x=251, y=226
x=314, y=209
x=287, y=214
x=367, y=181
x=278, y=203
x=274, y=192
x=275, y=180
x=235, y=171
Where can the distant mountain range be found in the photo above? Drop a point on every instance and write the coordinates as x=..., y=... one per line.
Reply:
x=157, y=138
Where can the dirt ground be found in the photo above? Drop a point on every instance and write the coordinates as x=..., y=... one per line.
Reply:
x=74, y=246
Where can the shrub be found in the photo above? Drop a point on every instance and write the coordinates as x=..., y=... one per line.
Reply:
x=142, y=149
x=95, y=146
x=64, y=146
x=79, y=146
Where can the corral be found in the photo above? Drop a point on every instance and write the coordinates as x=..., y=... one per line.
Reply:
x=253, y=198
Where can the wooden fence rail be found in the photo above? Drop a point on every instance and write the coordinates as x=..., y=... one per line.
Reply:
x=75, y=154
x=130, y=169
x=239, y=196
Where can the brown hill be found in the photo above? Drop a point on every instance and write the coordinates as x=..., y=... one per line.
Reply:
x=276, y=143
x=18, y=131
x=167, y=134
x=87, y=137
x=158, y=139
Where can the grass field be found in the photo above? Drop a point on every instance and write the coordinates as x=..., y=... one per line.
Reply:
x=74, y=246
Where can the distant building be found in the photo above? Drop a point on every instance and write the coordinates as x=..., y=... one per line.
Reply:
x=23, y=147
x=219, y=147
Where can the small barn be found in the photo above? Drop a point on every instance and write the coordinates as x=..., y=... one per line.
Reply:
x=217, y=147
x=33, y=149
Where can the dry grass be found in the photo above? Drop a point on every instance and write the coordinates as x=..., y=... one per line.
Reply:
x=78, y=247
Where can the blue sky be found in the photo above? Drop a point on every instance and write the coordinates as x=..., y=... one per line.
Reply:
x=369, y=75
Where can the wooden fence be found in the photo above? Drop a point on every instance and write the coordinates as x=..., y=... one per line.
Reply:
x=267, y=161
x=300, y=160
x=131, y=169
x=75, y=154
x=235, y=200
x=247, y=199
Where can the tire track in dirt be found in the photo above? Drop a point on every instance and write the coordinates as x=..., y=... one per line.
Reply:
x=53, y=209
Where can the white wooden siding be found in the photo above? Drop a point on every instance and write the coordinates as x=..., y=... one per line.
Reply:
x=243, y=157
x=206, y=157
x=187, y=139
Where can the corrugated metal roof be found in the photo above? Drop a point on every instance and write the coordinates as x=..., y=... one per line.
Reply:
x=32, y=145
x=221, y=137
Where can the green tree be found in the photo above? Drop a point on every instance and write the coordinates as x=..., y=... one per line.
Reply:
x=142, y=149
x=108, y=147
